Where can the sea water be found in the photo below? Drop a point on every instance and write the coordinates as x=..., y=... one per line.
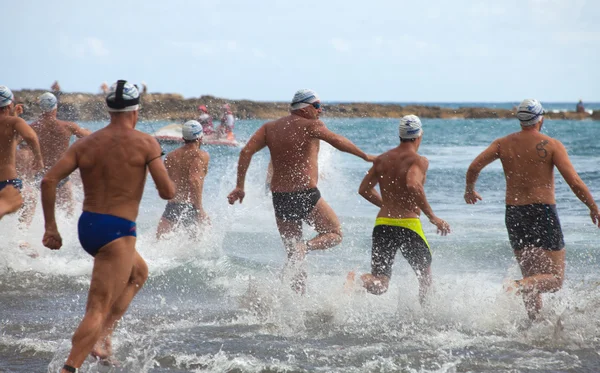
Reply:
x=218, y=304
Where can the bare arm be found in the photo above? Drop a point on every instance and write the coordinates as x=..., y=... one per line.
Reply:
x=367, y=188
x=486, y=157
x=158, y=171
x=78, y=131
x=415, y=177
x=29, y=135
x=562, y=162
x=257, y=142
x=63, y=168
x=321, y=132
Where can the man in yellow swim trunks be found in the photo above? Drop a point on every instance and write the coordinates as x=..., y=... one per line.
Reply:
x=400, y=174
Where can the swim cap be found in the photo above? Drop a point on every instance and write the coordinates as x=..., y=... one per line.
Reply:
x=203, y=108
x=47, y=102
x=6, y=96
x=304, y=98
x=192, y=130
x=410, y=127
x=530, y=112
x=123, y=96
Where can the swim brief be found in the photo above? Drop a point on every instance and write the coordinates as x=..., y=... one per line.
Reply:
x=98, y=230
x=17, y=183
x=534, y=225
x=295, y=206
x=184, y=213
x=391, y=235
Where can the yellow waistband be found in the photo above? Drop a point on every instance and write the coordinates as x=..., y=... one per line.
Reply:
x=414, y=224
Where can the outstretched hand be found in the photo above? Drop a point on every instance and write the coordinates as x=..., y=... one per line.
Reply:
x=595, y=215
x=52, y=239
x=371, y=158
x=443, y=227
x=471, y=197
x=237, y=194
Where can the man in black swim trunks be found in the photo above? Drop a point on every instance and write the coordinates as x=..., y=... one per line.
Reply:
x=187, y=167
x=294, y=145
x=12, y=128
x=528, y=158
x=400, y=174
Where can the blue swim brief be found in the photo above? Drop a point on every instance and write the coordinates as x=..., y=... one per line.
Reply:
x=98, y=230
x=17, y=183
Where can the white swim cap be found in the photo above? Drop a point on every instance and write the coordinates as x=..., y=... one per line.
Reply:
x=304, y=98
x=530, y=112
x=410, y=127
x=192, y=130
x=6, y=96
x=123, y=96
x=47, y=102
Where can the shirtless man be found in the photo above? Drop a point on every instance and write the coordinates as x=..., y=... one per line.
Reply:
x=187, y=167
x=400, y=174
x=113, y=163
x=293, y=142
x=12, y=129
x=528, y=158
x=54, y=135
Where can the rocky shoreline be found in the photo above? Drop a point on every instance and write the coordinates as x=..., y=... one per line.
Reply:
x=174, y=107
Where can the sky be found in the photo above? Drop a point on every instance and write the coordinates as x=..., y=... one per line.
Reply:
x=368, y=51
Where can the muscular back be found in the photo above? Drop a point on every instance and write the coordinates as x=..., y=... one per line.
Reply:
x=391, y=170
x=527, y=159
x=294, y=153
x=187, y=168
x=54, y=136
x=112, y=163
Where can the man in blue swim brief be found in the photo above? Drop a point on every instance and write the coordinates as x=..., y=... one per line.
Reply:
x=113, y=163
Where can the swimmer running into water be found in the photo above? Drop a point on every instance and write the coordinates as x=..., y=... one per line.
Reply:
x=293, y=142
x=401, y=174
x=528, y=159
x=12, y=129
x=113, y=163
x=187, y=167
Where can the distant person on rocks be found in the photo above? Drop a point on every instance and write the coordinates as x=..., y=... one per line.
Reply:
x=294, y=143
x=225, y=129
x=580, y=108
x=528, y=159
x=206, y=121
x=56, y=89
x=187, y=167
x=104, y=88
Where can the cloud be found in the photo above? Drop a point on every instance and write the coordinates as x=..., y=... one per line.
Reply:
x=81, y=49
x=340, y=45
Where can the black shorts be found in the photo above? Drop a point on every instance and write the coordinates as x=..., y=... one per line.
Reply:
x=387, y=240
x=184, y=213
x=295, y=206
x=534, y=225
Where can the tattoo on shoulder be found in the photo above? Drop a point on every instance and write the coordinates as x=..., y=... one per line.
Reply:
x=541, y=151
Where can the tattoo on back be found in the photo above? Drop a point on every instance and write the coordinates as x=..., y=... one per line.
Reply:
x=541, y=151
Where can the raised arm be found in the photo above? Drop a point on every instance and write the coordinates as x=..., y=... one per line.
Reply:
x=561, y=160
x=414, y=183
x=367, y=187
x=321, y=132
x=486, y=157
x=257, y=142
x=29, y=135
x=63, y=168
x=158, y=171
x=78, y=131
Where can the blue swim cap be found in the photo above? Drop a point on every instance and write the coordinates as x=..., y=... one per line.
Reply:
x=123, y=96
x=6, y=96
x=48, y=102
x=192, y=130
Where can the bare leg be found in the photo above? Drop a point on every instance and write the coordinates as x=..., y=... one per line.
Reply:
x=64, y=197
x=375, y=284
x=10, y=200
x=327, y=225
x=27, y=212
x=110, y=276
x=425, y=281
x=164, y=227
x=139, y=274
x=291, y=235
x=543, y=272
